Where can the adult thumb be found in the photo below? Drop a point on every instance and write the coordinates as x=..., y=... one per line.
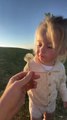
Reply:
x=26, y=79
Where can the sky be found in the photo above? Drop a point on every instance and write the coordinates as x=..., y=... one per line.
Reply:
x=20, y=18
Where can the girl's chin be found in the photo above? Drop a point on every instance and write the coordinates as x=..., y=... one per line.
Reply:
x=40, y=59
x=43, y=60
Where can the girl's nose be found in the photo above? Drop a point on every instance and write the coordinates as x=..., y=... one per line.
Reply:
x=43, y=49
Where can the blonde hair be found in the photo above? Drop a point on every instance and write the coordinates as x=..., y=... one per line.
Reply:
x=50, y=25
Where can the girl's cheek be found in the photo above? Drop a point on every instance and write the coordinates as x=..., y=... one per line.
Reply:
x=37, y=51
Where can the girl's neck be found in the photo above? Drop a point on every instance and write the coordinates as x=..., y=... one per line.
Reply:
x=49, y=64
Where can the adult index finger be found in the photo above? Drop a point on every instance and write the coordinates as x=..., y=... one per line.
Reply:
x=29, y=77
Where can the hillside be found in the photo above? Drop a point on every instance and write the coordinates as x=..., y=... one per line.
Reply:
x=11, y=62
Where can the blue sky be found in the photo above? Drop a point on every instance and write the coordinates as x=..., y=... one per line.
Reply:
x=20, y=18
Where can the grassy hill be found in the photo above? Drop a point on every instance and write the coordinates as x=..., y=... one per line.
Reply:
x=11, y=62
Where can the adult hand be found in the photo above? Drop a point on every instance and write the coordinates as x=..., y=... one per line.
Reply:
x=65, y=105
x=14, y=94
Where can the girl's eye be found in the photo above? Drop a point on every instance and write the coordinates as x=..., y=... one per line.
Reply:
x=39, y=45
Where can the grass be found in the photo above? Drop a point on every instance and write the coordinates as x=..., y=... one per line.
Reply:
x=60, y=113
x=11, y=62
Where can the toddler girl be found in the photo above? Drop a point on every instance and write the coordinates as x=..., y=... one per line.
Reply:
x=50, y=45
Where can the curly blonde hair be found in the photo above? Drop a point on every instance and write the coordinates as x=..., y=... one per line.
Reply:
x=51, y=24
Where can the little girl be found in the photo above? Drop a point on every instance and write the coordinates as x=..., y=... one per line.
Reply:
x=50, y=45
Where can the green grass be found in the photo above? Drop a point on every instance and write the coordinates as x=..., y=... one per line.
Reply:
x=11, y=62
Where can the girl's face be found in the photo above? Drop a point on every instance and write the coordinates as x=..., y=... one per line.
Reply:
x=46, y=53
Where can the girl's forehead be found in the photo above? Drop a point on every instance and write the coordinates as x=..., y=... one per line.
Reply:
x=47, y=40
x=43, y=38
